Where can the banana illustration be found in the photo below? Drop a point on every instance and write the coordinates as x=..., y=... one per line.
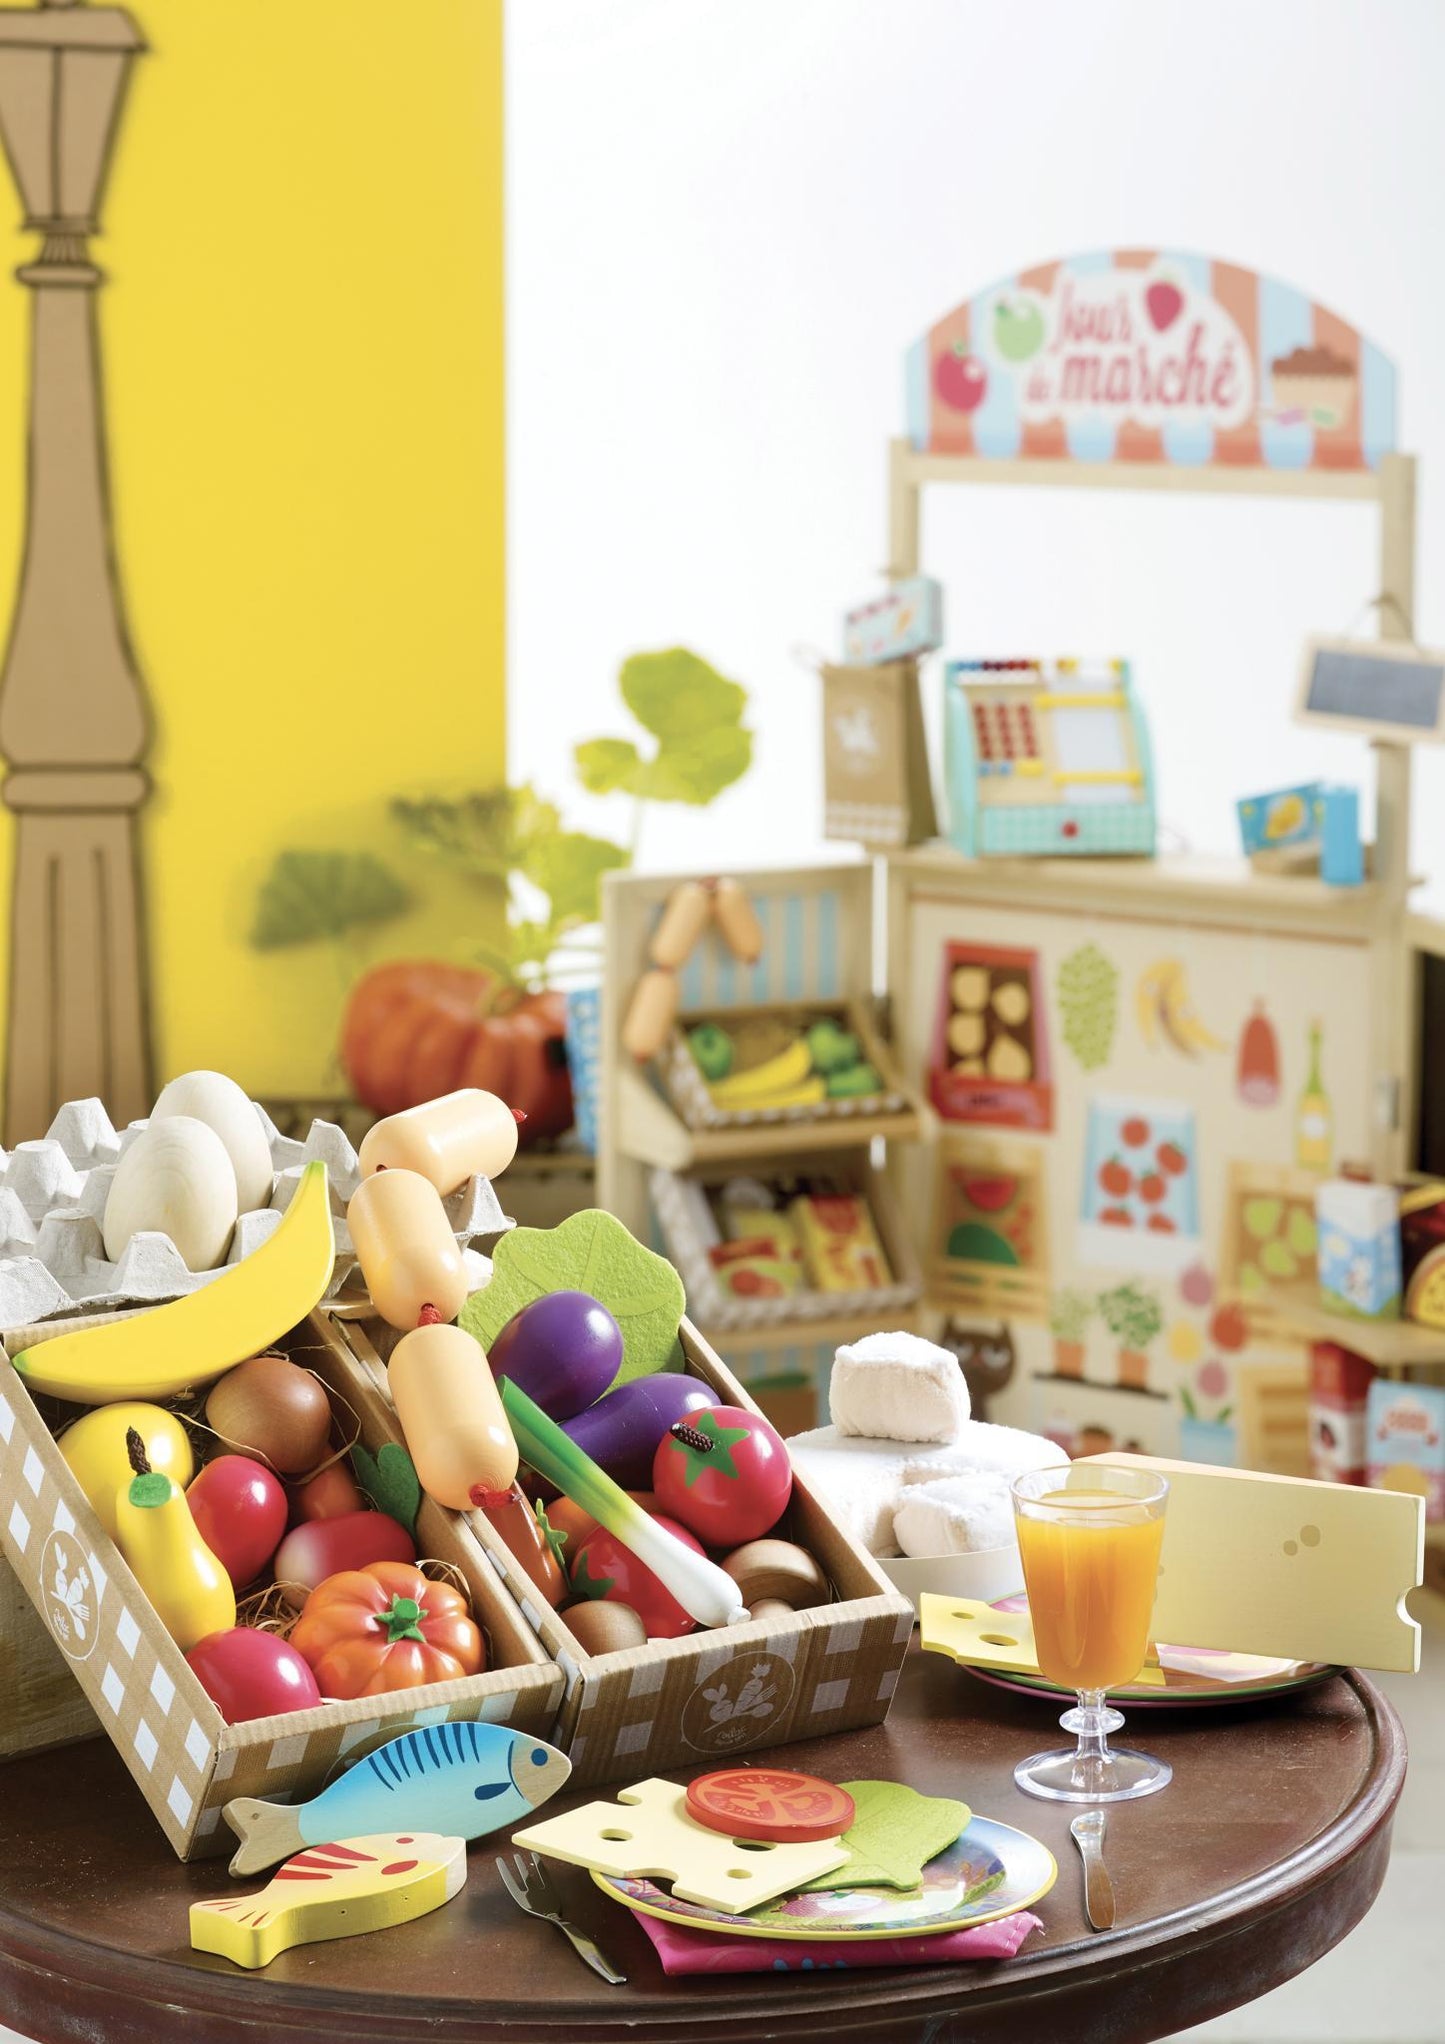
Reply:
x=195, y=1339
x=1163, y=1007
x=757, y=1087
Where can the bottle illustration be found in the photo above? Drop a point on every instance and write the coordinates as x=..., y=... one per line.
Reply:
x=1313, y=1120
x=1257, y=1070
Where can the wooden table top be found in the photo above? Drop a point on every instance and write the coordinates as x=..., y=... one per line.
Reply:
x=1268, y=1847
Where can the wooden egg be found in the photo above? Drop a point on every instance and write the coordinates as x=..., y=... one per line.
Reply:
x=175, y=1179
x=777, y=1569
x=271, y=1408
x=770, y=1607
x=221, y=1104
x=601, y=1627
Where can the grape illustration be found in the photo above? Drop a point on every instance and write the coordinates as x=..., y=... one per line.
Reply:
x=1088, y=990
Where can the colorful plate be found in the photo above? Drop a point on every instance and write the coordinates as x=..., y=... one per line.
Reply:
x=1192, y=1676
x=991, y=1871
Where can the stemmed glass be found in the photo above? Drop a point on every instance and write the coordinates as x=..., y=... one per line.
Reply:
x=1090, y=1540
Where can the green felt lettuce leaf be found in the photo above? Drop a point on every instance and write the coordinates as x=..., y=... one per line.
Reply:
x=893, y=1836
x=390, y=1481
x=307, y=895
x=590, y=1252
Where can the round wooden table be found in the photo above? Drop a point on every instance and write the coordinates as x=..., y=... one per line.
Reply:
x=1268, y=1847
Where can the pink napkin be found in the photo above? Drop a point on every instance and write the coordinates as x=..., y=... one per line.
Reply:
x=704, y=1951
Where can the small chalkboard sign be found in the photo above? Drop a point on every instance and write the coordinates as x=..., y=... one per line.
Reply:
x=1395, y=692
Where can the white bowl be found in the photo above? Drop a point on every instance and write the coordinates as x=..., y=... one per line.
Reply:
x=992, y=1573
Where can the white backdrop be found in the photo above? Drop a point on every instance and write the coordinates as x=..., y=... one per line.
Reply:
x=728, y=219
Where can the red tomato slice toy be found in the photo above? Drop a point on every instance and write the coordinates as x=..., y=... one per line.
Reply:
x=770, y=1802
x=605, y=1568
x=725, y=1473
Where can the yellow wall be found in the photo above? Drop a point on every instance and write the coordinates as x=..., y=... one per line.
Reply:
x=303, y=359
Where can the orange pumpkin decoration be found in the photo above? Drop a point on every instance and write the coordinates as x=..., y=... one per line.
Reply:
x=371, y=1630
x=417, y=1027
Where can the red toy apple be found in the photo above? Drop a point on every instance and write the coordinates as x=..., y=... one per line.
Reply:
x=725, y=1473
x=960, y=380
x=251, y=1674
x=240, y=1510
x=605, y=1568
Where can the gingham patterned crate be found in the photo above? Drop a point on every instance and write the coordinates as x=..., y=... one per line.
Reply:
x=681, y=1702
x=689, y=1093
x=187, y=1761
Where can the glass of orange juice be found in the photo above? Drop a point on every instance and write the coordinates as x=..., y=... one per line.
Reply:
x=1090, y=1540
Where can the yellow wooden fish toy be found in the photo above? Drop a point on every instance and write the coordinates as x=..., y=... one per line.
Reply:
x=334, y=1891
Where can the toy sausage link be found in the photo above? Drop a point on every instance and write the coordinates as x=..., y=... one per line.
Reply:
x=451, y=1414
x=447, y=1140
x=650, y=1014
x=406, y=1249
x=737, y=919
x=687, y=914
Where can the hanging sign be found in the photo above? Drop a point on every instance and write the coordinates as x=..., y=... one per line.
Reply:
x=1151, y=357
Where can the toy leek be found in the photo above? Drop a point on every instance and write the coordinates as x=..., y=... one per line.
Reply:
x=706, y=1592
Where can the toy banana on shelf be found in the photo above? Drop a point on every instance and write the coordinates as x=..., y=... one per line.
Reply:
x=690, y=908
x=195, y=1339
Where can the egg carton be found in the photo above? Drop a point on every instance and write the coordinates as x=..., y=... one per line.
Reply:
x=52, y=1206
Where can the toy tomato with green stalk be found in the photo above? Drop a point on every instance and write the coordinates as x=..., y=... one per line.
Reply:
x=372, y=1630
x=606, y=1568
x=724, y=1473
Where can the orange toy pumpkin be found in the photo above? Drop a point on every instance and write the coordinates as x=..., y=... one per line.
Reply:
x=370, y=1630
x=416, y=1028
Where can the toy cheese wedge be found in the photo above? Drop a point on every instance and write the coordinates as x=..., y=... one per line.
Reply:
x=980, y=1636
x=1282, y=1566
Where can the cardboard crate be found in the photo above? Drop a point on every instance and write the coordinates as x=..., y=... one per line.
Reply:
x=185, y=1758
x=688, y=1090
x=711, y=1695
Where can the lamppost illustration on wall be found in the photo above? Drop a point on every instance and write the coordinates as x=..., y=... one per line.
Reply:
x=74, y=724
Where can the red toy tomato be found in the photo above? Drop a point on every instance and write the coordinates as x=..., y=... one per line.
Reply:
x=725, y=1473
x=1152, y=1188
x=605, y=1568
x=1171, y=1158
x=1135, y=1132
x=240, y=1512
x=1117, y=1217
x=369, y=1631
x=251, y=1674
x=1116, y=1178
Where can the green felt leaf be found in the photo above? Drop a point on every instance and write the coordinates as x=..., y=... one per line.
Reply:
x=606, y=764
x=589, y=1252
x=555, y=1538
x=390, y=1481
x=893, y=1836
x=677, y=696
x=718, y=1455
x=307, y=895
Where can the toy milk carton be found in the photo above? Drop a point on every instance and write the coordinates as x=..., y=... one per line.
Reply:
x=1340, y=1384
x=1359, y=1249
x=1406, y=1425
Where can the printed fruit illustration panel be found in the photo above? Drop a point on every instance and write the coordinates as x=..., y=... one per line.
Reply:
x=1269, y=1240
x=990, y=1054
x=989, y=1240
x=1139, y=1207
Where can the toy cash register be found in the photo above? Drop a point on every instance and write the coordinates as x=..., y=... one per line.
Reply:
x=1047, y=756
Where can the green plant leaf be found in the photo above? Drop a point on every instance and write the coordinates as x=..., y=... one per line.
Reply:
x=390, y=1481
x=567, y=865
x=307, y=895
x=677, y=696
x=606, y=764
x=698, y=768
x=589, y=1252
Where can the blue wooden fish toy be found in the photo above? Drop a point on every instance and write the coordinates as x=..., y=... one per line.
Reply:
x=459, y=1778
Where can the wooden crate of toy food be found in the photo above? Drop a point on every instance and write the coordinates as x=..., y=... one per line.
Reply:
x=821, y=1077
x=711, y=1695
x=87, y=1605
x=735, y=1285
